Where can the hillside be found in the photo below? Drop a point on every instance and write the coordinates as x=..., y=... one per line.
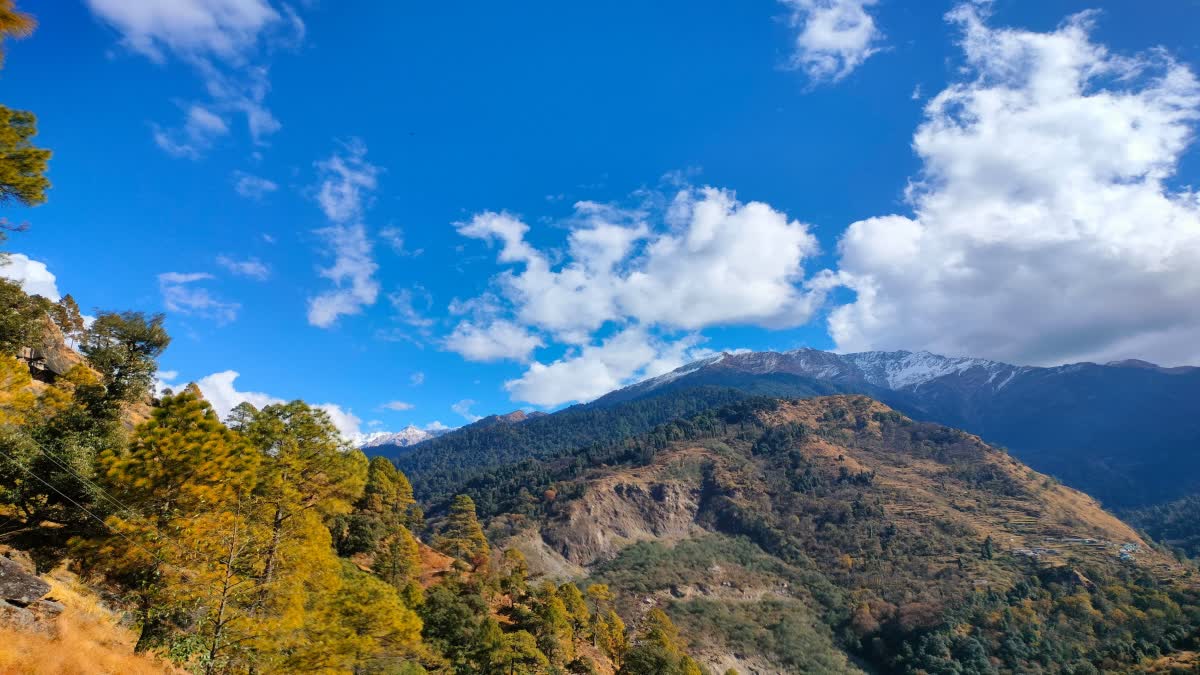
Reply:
x=1121, y=432
x=811, y=535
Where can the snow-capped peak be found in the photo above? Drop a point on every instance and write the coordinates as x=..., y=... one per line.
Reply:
x=407, y=436
x=904, y=369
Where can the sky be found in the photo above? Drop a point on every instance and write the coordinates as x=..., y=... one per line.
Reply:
x=420, y=213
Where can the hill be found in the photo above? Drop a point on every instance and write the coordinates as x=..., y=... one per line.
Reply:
x=1123, y=432
x=814, y=535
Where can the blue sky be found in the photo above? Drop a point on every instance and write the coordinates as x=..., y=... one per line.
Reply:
x=465, y=208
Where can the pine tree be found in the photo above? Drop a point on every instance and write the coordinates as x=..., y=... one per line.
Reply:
x=576, y=606
x=613, y=642
x=22, y=164
x=13, y=23
x=555, y=635
x=185, y=541
x=520, y=655
x=659, y=650
x=462, y=537
x=123, y=348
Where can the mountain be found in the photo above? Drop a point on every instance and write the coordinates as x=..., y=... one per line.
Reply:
x=410, y=435
x=1126, y=432
x=835, y=535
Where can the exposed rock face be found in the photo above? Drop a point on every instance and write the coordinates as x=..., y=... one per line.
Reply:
x=616, y=513
x=19, y=587
x=50, y=357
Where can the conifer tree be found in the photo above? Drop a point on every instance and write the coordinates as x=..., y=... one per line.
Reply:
x=462, y=537
x=520, y=654
x=184, y=541
x=613, y=641
x=13, y=23
x=555, y=635
x=659, y=650
x=123, y=347
x=576, y=606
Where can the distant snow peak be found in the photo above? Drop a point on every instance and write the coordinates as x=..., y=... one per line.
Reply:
x=410, y=435
x=895, y=370
x=905, y=370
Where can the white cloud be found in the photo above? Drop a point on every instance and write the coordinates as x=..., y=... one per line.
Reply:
x=595, y=370
x=1044, y=229
x=417, y=379
x=201, y=128
x=346, y=421
x=690, y=259
x=221, y=392
x=251, y=186
x=225, y=29
x=834, y=38
x=251, y=267
x=398, y=405
x=346, y=182
x=394, y=237
x=33, y=275
x=713, y=260
x=463, y=408
x=492, y=342
x=181, y=293
x=221, y=40
x=437, y=426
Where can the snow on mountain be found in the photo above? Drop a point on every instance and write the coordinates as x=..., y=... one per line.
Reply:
x=410, y=435
x=898, y=370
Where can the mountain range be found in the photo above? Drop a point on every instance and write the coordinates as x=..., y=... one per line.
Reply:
x=1127, y=432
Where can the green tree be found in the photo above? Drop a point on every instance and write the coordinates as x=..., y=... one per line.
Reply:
x=184, y=542
x=67, y=317
x=576, y=606
x=659, y=650
x=20, y=317
x=22, y=164
x=514, y=575
x=123, y=347
x=555, y=635
x=462, y=536
x=520, y=654
x=13, y=23
x=987, y=552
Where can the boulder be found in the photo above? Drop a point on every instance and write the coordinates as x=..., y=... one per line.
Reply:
x=19, y=587
x=16, y=617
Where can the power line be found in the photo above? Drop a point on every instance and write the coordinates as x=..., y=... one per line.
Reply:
x=82, y=508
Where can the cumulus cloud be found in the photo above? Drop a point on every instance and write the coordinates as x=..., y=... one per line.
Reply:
x=681, y=261
x=597, y=369
x=250, y=267
x=347, y=180
x=834, y=36
x=251, y=186
x=222, y=40
x=397, y=405
x=495, y=341
x=221, y=391
x=463, y=408
x=1044, y=227
x=712, y=260
x=222, y=28
x=181, y=293
x=33, y=275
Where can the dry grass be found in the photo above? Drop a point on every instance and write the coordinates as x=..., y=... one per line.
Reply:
x=87, y=639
